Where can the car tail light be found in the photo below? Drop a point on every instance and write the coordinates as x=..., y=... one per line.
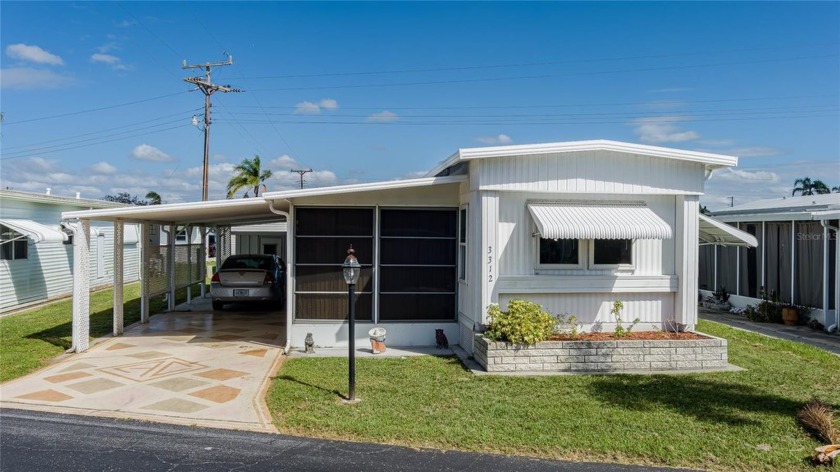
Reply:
x=269, y=278
x=215, y=278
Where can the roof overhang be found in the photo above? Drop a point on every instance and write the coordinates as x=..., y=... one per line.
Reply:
x=35, y=231
x=210, y=213
x=598, y=220
x=710, y=160
x=366, y=187
x=717, y=232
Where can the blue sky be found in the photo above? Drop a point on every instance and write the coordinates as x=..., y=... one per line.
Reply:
x=94, y=99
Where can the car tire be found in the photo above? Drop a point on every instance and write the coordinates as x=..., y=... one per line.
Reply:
x=218, y=306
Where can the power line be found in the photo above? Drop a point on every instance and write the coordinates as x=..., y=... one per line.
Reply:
x=301, y=172
x=108, y=107
x=543, y=76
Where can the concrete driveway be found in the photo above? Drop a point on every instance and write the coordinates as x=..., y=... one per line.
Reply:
x=195, y=367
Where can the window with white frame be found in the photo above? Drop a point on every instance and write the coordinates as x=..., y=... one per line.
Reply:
x=560, y=254
x=583, y=253
x=611, y=253
x=462, y=244
x=13, y=245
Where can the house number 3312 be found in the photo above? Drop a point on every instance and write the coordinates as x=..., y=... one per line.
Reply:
x=489, y=263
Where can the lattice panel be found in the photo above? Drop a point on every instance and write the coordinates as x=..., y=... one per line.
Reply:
x=157, y=274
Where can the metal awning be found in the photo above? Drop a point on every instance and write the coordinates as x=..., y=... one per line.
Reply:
x=598, y=220
x=35, y=231
x=717, y=232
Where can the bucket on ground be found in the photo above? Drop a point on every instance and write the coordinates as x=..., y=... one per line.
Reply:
x=377, y=340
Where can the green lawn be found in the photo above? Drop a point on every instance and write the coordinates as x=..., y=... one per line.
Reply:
x=722, y=421
x=31, y=339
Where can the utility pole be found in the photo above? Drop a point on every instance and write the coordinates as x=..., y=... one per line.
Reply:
x=731, y=201
x=207, y=88
x=301, y=172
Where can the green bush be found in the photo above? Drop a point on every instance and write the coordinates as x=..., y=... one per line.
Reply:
x=524, y=323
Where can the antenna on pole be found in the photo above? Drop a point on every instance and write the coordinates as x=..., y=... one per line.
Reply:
x=208, y=88
x=301, y=172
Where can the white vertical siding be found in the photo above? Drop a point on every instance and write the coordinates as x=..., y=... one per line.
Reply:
x=589, y=172
x=593, y=309
x=47, y=272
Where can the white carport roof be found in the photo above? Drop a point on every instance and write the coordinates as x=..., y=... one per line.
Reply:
x=210, y=213
x=713, y=231
x=35, y=231
x=241, y=211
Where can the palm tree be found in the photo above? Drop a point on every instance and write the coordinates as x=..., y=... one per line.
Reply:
x=153, y=198
x=249, y=176
x=808, y=187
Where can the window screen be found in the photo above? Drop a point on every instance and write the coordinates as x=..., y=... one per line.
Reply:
x=559, y=251
x=613, y=251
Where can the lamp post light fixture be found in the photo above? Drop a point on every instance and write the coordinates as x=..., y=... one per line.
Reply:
x=352, y=269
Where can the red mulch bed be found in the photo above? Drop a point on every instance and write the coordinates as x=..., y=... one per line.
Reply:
x=634, y=335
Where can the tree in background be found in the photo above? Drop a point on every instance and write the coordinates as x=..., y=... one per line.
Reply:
x=125, y=197
x=249, y=175
x=705, y=210
x=153, y=198
x=805, y=186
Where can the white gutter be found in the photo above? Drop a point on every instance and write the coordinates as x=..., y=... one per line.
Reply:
x=289, y=293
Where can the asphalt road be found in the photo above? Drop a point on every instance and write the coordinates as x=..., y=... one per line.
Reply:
x=40, y=441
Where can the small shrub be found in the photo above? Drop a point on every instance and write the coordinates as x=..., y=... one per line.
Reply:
x=754, y=314
x=568, y=326
x=815, y=325
x=721, y=294
x=620, y=330
x=524, y=323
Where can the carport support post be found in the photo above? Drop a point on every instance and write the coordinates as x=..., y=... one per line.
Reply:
x=202, y=261
x=119, y=255
x=146, y=241
x=189, y=229
x=170, y=262
x=81, y=285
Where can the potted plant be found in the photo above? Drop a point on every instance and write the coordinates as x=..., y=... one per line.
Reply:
x=790, y=314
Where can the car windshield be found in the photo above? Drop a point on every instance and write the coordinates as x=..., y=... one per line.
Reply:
x=262, y=263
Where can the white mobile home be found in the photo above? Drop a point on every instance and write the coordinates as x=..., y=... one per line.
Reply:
x=796, y=258
x=37, y=255
x=573, y=226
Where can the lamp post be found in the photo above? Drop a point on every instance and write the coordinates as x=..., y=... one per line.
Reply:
x=351, y=270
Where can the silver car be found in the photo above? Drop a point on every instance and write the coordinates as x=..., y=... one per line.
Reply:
x=249, y=278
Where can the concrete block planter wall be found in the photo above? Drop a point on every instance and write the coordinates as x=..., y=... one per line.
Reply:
x=602, y=356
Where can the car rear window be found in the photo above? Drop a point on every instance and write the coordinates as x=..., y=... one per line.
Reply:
x=248, y=263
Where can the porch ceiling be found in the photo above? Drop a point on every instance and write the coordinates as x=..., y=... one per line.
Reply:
x=210, y=213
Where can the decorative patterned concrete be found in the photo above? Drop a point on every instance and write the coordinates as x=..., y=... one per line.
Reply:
x=198, y=367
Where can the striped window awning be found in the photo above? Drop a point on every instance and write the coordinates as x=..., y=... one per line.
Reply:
x=35, y=231
x=598, y=220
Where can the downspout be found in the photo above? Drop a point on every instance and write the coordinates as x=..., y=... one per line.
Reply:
x=289, y=294
x=827, y=227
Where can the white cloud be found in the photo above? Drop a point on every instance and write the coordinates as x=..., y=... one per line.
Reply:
x=328, y=104
x=307, y=108
x=498, y=139
x=746, y=176
x=144, y=152
x=27, y=78
x=113, y=61
x=384, y=116
x=103, y=168
x=312, y=108
x=35, y=54
x=662, y=129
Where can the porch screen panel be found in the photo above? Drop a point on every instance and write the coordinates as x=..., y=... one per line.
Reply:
x=809, y=264
x=706, y=267
x=750, y=276
x=727, y=268
x=322, y=236
x=418, y=264
x=778, y=260
x=833, y=243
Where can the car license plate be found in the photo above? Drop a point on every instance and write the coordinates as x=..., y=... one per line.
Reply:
x=242, y=292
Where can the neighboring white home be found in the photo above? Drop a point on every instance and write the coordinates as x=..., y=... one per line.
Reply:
x=36, y=252
x=796, y=259
x=573, y=226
